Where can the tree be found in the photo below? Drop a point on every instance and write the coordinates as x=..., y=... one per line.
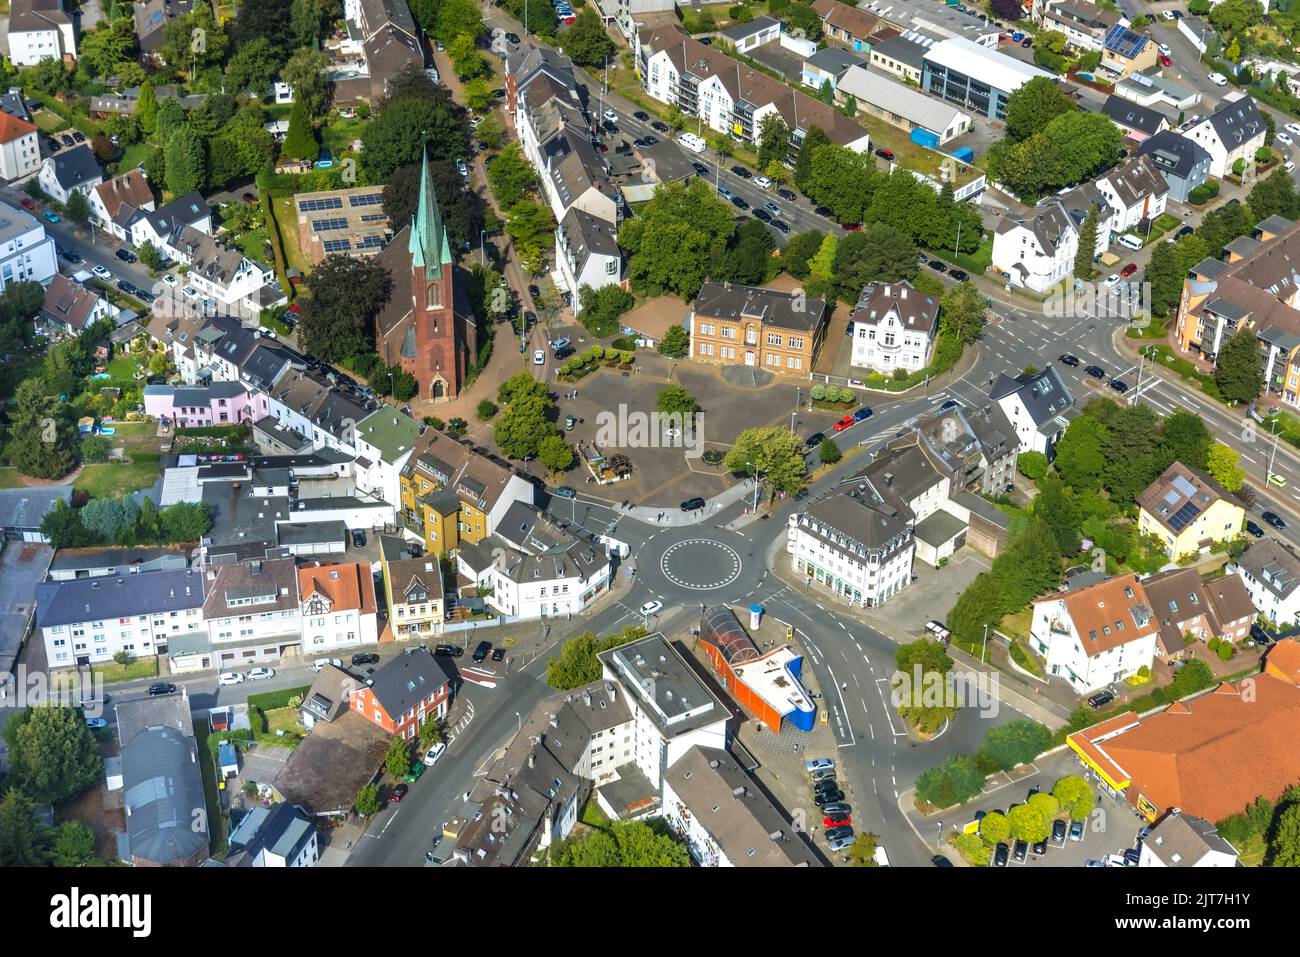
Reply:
x=676, y=238
x=955, y=782
x=1275, y=196
x=300, y=141
x=1284, y=845
x=1032, y=465
x=73, y=845
x=676, y=343
x=101, y=50
x=42, y=441
x=184, y=48
x=1239, y=374
x=964, y=311
x=775, y=451
x=462, y=209
x=1087, y=246
x=21, y=843
x=676, y=401
x=600, y=309
x=749, y=257
x=1029, y=823
x=146, y=107
x=269, y=20
x=828, y=453
x=150, y=257
x=993, y=828
x=586, y=42
x=343, y=297
x=554, y=453
x=862, y=852
x=773, y=140
x=78, y=209
x=1074, y=794
x=1079, y=459
x=253, y=67
x=305, y=76
x=1223, y=465
x=306, y=19
x=366, y=802
x=1168, y=268
x=798, y=249
x=577, y=663
x=52, y=756
x=1035, y=104
x=397, y=760
x=510, y=175
x=1185, y=439
x=409, y=125
x=1014, y=743
x=878, y=253
x=621, y=844
x=187, y=161
x=842, y=180
x=531, y=225
x=815, y=137
x=1234, y=16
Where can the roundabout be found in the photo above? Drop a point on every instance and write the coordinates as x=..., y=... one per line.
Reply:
x=700, y=564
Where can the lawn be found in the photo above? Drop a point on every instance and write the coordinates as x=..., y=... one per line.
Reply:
x=283, y=719
x=1288, y=426
x=133, y=156
x=9, y=478
x=49, y=122
x=978, y=262
x=251, y=239
x=113, y=478
x=123, y=367
x=286, y=221
x=139, y=668
x=338, y=135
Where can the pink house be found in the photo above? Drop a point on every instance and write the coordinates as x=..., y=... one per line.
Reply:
x=222, y=403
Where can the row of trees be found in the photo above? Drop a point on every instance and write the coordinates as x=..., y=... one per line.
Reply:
x=526, y=429
x=962, y=776
x=121, y=521
x=577, y=664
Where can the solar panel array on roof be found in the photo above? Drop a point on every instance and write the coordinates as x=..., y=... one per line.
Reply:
x=1187, y=489
x=1124, y=41
x=1172, y=497
x=319, y=205
x=326, y=225
x=337, y=245
x=366, y=199
x=1184, y=516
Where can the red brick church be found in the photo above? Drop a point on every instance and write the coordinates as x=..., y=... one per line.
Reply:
x=427, y=327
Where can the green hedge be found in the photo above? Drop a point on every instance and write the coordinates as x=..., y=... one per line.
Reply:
x=218, y=431
x=271, y=700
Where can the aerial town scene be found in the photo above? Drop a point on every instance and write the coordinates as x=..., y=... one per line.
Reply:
x=650, y=433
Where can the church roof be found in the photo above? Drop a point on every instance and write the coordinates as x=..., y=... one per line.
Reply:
x=428, y=238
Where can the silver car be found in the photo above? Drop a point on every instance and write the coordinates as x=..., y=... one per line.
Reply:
x=818, y=764
x=841, y=843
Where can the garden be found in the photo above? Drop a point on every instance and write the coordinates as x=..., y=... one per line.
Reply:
x=582, y=365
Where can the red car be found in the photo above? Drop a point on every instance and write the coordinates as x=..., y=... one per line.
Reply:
x=1166, y=61
x=851, y=227
x=843, y=423
x=398, y=792
x=1128, y=270
x=27, y=202
x=836, y=820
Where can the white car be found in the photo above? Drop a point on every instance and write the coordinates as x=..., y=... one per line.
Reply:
x=819, y=764
x=320, y=663
x=1289, y=165
x=102, y=273
x=763, y=181
x=1218, y=79
x=169, y=279
x=1292, y=128
x=462, y=168
x=539, y=358
x=610, y=115
x=1164, y=48
x=652, y=608
x=1283, y=138
x=1167, y=15
x=1112, y=279
x=230, y=678
x=434, y=753
x=190, y=292
x=258, y=674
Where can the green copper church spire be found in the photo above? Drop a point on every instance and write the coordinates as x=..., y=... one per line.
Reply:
x=428, y=242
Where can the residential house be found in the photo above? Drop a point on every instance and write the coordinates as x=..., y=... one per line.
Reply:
x=752, y=326
x=1036, y=249
x=586, y=253
x=162, y=785
x=72, y=169
x=1182, y=163
x=975, y=447
x=382, y=43
x=23, y=510
x=252, y=614
x=1096, y=635
x=348, y=222
x=847, y=25
x=1135, y=192
x=89, y=620
x=385, y=441
x=1137, y=121
x=901, y=56
x=1125, y=52
x=1186, y=606
x=745, y=37
x=225, y=274
x=1038, y=407
x=900, y=105
x=828, y=65
x=337, y=603
x=281, y=835
x=115, y=201
x=221, y=403
x=975, y=77
x=1270, y=570
x=413, y=589
x=40, y=30
x=893, y=327
x=1188, y=511
x=532, y=568
x=1210, y=756
x=26, y=253
x=1235, y=132
x=718, y=811
x=1155, y=89
x=70, y=307
x=1084, y=24
x=1283, y=660
x=20, y=153
x=172, y=228
x=403, y=693
x=1185, y=840
x=12, y=102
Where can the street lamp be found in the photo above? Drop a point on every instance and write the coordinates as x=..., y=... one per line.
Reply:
x=986, y=642
x=1272, y=455
x=482, y=255
x=757, y=473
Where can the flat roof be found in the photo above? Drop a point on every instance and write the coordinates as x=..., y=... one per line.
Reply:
x=665, y=686
x=988, y=66
x=772, y=679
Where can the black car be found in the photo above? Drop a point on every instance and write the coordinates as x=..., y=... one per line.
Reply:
x=706, y=41
x=828, y=797
x=781, y=225
x=825, y=784
x=125, y=255
x=659, y=126
x=938, y=265
x=641, y=115
x=921, y=258
x=498, y=654
x=1040, y=847
x=650, y=139
x=1020, y=852
x=787, y=194
x=144, y=296
x=1254, y=530
x=824, y=211
x=835, y=833
x=1000, y=855
x=365, y=658
x=739, y=202
x=481, y=651
x=126, y=287
x=1026, y=43
x=1185, y=231
x=940, y=861
x=534, y=292
x=1119, y=385
x=512, y=37
x=959, y=274
x=449, y=651
x=1058, y=832
x=762, y=214
x=1097, y=372
x=1274, y=519
x=741, y=172
x=814, y=440
x=358, y=538
x=53, y=145
x=950, y=404
x=79, y=137
x=1100, y=699
x=1068, y=360
x=70, y=256
x=700, y=168
x=68, y=140
x=161, y=688
x=692, y=504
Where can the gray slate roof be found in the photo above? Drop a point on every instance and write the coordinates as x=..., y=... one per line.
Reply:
x=76, y=167
x=1044, y=395
x=405, y=680
x=26, y=507
x=1173, y=155
x=94, y=599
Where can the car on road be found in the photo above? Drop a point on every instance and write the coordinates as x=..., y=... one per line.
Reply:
x=1076, y=830
x=320, y=663
x=693, y=504
x=1020, y=852
x=1096, y=372
x=1254, y=530
x=950, y=404
x=260, y=674
x=741, y=172
x=1066, y=359
x=482, y=651
x=861, y=413
x=1273, y=519
x=740, y=202
x=818, y=764
x=27, y=203
x=230, y=678
x=844, y=423
x=700, y=169
x=1058, y=833
x=641, y=115
x=126, y=255
x=610, y=115
x=772, y=208
x=885, y=154
x=51, y=217
x=397, y=792
x=365, y=658
x=71, y=257
x=814, y=440
x=959, y=274
x=659, y=126
x=938, y=265
x=1275, y=479
x=1119, y=385
x=161, y=688
x=938, y=860
x=781, y=226
x=96, y=723
x=101, y=273
x=1218, y=79
x=1283, y=138
x=1100, y=699
x=539, y=357
x=724, y=192
x=512, y=38
x=1000, y=855
x=824, y=211
x=1166, y=60
x=652, y=607
x=938, y=629
x=788, y=194
x=566, y=491
x=1292, y=128
x=449, y=651
x=824, y=798
x=763, y=215
x=1289, y=165
x=433, y=754
x=763, y=181
x=835, y=833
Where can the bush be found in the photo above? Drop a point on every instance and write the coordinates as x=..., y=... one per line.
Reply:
x=94, y=448
x=486, y=409
x=955, y=782
x=1032, y=465
x=819, y=392
x=1204, y=193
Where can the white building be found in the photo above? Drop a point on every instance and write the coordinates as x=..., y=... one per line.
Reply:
x=853, y=545
x=1271, y=573
x=894, y=327
x=169, y=228
x=1134, y=192
x=338, y=607
x=1036, y=250
x=586, y=253
x=384, y=442
x=1185, y=840
x=26, y=253
x=1096, y=635
x=1038, y=407
x=89, y=620
x=279, y=836
x=1234, y=133
x=40, y=30
x=114, y=202
x=225, y=274
x=73, y=169
x=252, y=614
x=20, y=154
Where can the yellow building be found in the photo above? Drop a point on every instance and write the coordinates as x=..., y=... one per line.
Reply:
x=413, y=588
x=1188, y=511
x=451, y=494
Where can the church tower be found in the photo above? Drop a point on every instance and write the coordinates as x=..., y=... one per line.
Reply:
x=439, y=359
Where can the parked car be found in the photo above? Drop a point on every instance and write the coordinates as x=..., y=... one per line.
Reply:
x=67, y=140
x=1076, y=830
x=481, y=651
x=365, y=658
x=841, y=843
x=693, y=504
x=938, y=265
x=1000, y=855
x=564, y=491
x=320, y=663
x=1166, y=60
x=1254, y=530
x=1020, y=852
x=825, y=774
x=836, y=808
x=1273, y=519
x=652, y=607
x=434, y=753
x=959, y=274
x=449, y=651
x=641, y=115
x=814, y=440
x=27, y=203
x=787, y=194
x=659, y=126
x=818, y=764
x=885, y=154
x=126, y=255
x=1066, y=359
x=397, y=792
x=837, y=820
x=96, y=723
x=828, y=797
x=844, y=423
x=835, y=833
x=1039, y=848
x=230, y=678
x=862, y=412
x=938, y=860
x=71, y=257
x=763, y=181
x=260, y=674
x=1128, y=270
x=161, y=688
x=51, y=216
x=1058, y=833
x=1101, y=699
x=498, y=654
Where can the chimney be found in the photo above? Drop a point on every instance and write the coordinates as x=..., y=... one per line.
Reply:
x=586, y=698
x=611, y=690
x=255, y=567
x=889, y=479
x=555, y=721
x=532, y=760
